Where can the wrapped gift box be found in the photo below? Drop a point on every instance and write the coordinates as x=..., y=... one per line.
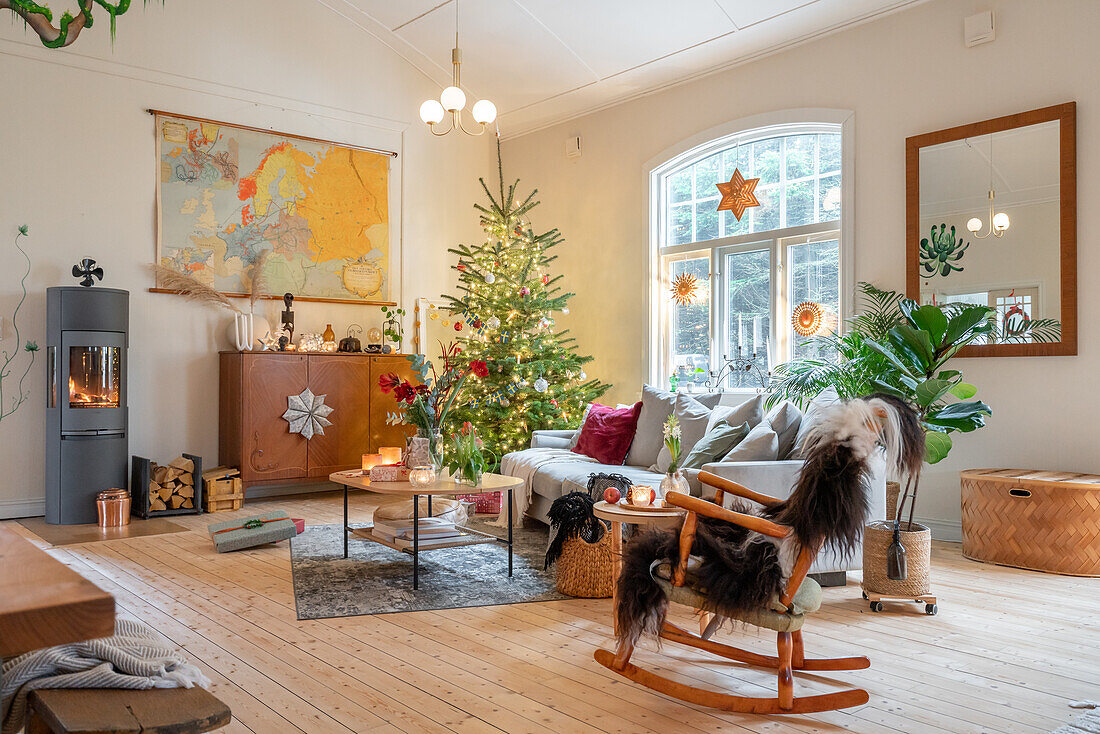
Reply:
x=248, y=532
x=389, y=473
x=486, y=503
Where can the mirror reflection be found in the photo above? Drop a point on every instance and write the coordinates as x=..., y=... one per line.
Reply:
x=989, y=228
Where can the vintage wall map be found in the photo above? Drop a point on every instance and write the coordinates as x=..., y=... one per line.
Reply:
x=225, y=194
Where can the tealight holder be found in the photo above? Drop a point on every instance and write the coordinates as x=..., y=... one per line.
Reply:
x=390, y=454
x=422, y=476
x=370, y=461
x=641, y=495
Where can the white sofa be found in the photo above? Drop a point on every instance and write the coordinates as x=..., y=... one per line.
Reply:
x=551, y=472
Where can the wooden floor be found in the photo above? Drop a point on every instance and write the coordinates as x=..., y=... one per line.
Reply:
x=1008, y=650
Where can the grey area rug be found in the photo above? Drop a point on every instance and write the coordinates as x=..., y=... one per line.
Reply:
x=1086, y=723
x=375, y=579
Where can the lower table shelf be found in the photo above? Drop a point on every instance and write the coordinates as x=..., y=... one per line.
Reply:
x=467, y=537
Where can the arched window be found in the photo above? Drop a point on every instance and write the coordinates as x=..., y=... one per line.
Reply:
x=751, y=272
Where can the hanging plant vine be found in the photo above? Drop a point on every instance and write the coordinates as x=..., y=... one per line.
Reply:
x=30, y=347
x=40, y=19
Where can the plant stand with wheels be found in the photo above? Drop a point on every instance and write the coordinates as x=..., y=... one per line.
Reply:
x=876, y=600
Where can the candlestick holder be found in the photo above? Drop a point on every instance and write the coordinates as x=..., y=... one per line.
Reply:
x=736, y=364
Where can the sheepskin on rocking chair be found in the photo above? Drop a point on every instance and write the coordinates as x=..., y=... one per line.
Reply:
x=751, y=566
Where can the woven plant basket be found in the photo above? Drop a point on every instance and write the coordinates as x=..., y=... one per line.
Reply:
x=877, y=537
x=584, y=569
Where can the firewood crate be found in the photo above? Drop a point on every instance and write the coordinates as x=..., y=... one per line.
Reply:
x=223, y=489
x=174, y=488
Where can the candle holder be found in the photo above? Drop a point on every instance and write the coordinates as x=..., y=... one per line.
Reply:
x=390, y=454
x=422, y=476
x=738, y=364
x=370, y=461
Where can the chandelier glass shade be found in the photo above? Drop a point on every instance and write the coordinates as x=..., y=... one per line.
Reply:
x=453, y=101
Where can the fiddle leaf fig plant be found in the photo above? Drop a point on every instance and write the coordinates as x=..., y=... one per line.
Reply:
x=916, y=352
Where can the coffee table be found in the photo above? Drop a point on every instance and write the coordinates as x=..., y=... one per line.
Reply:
x=444, y=486
x=617, y=515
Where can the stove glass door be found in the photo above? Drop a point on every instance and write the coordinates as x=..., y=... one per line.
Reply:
x=91, y=382
x=95, y=373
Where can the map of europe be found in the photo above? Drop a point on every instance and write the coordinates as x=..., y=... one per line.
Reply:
x=320, y=210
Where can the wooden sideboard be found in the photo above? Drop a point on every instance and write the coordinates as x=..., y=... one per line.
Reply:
x=254, y=436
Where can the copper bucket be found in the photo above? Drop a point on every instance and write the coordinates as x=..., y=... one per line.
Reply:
x=113, y=507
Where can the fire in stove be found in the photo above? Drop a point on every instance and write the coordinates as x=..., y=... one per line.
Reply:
x=94, y=376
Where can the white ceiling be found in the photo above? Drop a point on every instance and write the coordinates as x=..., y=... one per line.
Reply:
x=955, y=176
x=544, y=61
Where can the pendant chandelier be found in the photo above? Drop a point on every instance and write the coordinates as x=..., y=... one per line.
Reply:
x=453, y=100
x=998, y=223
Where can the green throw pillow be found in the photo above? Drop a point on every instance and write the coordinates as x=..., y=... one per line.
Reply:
x=717, y=442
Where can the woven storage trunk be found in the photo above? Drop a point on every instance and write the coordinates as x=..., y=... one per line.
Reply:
x=584, y=569
x=877, y=537
x=1040, y=520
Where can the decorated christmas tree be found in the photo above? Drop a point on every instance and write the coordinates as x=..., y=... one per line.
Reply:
x=504, y=315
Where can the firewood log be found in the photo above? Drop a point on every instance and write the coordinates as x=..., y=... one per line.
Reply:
x=187, y=478
x=186, y=491
x=184, y=465
x=160, y=473
x=173, y=473
x=188, y=503
x=175, y=500
x=157, y=504
x=165, y=493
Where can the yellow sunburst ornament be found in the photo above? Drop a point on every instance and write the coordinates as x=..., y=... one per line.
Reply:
x=808, y=318
x=684, y=288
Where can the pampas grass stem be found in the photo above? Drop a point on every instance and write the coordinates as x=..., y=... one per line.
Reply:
x=191, y=288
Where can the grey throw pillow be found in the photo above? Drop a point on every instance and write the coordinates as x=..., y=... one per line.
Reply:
x=785, y=419
x=751, y=411
x=824, y=399
x=709, y=399
x=648, y=438
x=694, y=419
x=577, y=433
x=717, y=442
x=762, y=444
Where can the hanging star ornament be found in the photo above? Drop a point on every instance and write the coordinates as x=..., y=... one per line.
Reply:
x=307, y=413
x=737, y=194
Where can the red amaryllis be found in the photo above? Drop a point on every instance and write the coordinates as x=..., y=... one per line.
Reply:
x=388, y=381
x=479, y=368
x=405, y=393
x=467, y=427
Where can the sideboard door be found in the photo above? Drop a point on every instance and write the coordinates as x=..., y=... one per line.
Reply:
x=270, y=451
x=345, y=381
x=383, y=404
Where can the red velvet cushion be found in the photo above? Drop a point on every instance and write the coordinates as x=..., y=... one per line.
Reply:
x=607, y=433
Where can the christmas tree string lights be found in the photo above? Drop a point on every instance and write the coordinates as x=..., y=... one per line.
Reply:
x=507, y=298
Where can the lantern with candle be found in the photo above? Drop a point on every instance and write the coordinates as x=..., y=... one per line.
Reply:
x=370, y=461
x=389, y=454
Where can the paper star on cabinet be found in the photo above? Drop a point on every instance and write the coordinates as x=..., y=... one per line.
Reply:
x=737, y=194
x=307, y=414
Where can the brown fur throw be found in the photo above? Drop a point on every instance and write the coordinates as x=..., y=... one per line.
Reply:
x=741, y=570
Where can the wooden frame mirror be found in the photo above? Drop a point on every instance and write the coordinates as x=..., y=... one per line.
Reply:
x=991, y=218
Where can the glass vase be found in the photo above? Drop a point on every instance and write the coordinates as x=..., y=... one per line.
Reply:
x=674, y=481
x=435, y=450
x=469, y=476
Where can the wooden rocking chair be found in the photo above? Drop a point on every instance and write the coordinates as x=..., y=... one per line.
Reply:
x=801, y=595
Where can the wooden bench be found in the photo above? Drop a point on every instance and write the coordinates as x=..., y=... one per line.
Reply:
x=118, y=711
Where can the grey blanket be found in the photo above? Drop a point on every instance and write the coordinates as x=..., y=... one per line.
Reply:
x=135, y=657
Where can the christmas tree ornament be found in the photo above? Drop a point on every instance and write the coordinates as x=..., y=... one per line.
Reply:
x=565, y=310
x=493, y=323
x=458, y=326
x=433, y=315
x=541, y=385
x=684, y=289
x=545, y=279
x=490, y=278
x=582, y=376
x=737, y=194
x=445, y=323
x=477, y=323
x=461, y=268
x=554, y=402
x=504, y=402
x=524, y=291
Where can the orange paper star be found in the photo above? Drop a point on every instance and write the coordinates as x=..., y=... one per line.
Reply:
x=737, y=194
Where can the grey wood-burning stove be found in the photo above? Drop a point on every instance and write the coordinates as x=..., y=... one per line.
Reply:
x=87, y=333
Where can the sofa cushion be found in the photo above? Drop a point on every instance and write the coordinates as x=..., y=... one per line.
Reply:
x=751, y=411
x=694, y=419
x=785, y=419
x=558, y=478
x=577, y=433
x=709, y=399
x=607, y=433
x=717, y=442
x=656, y=408
x=761, y=444
x=824, y=399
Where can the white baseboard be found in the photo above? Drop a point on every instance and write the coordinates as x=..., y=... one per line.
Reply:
x=948, y=530
x=11, y=509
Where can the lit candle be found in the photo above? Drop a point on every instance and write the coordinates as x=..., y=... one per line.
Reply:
x=370, y=461
x=389, y=454
x=740, y=333
x=755, y=334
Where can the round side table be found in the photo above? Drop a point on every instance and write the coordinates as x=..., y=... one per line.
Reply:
x=617, y=515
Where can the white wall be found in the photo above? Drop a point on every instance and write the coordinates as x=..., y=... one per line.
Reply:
x=78, y=166
x=902, y=75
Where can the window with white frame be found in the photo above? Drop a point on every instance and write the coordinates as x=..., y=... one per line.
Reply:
x=750, y=273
